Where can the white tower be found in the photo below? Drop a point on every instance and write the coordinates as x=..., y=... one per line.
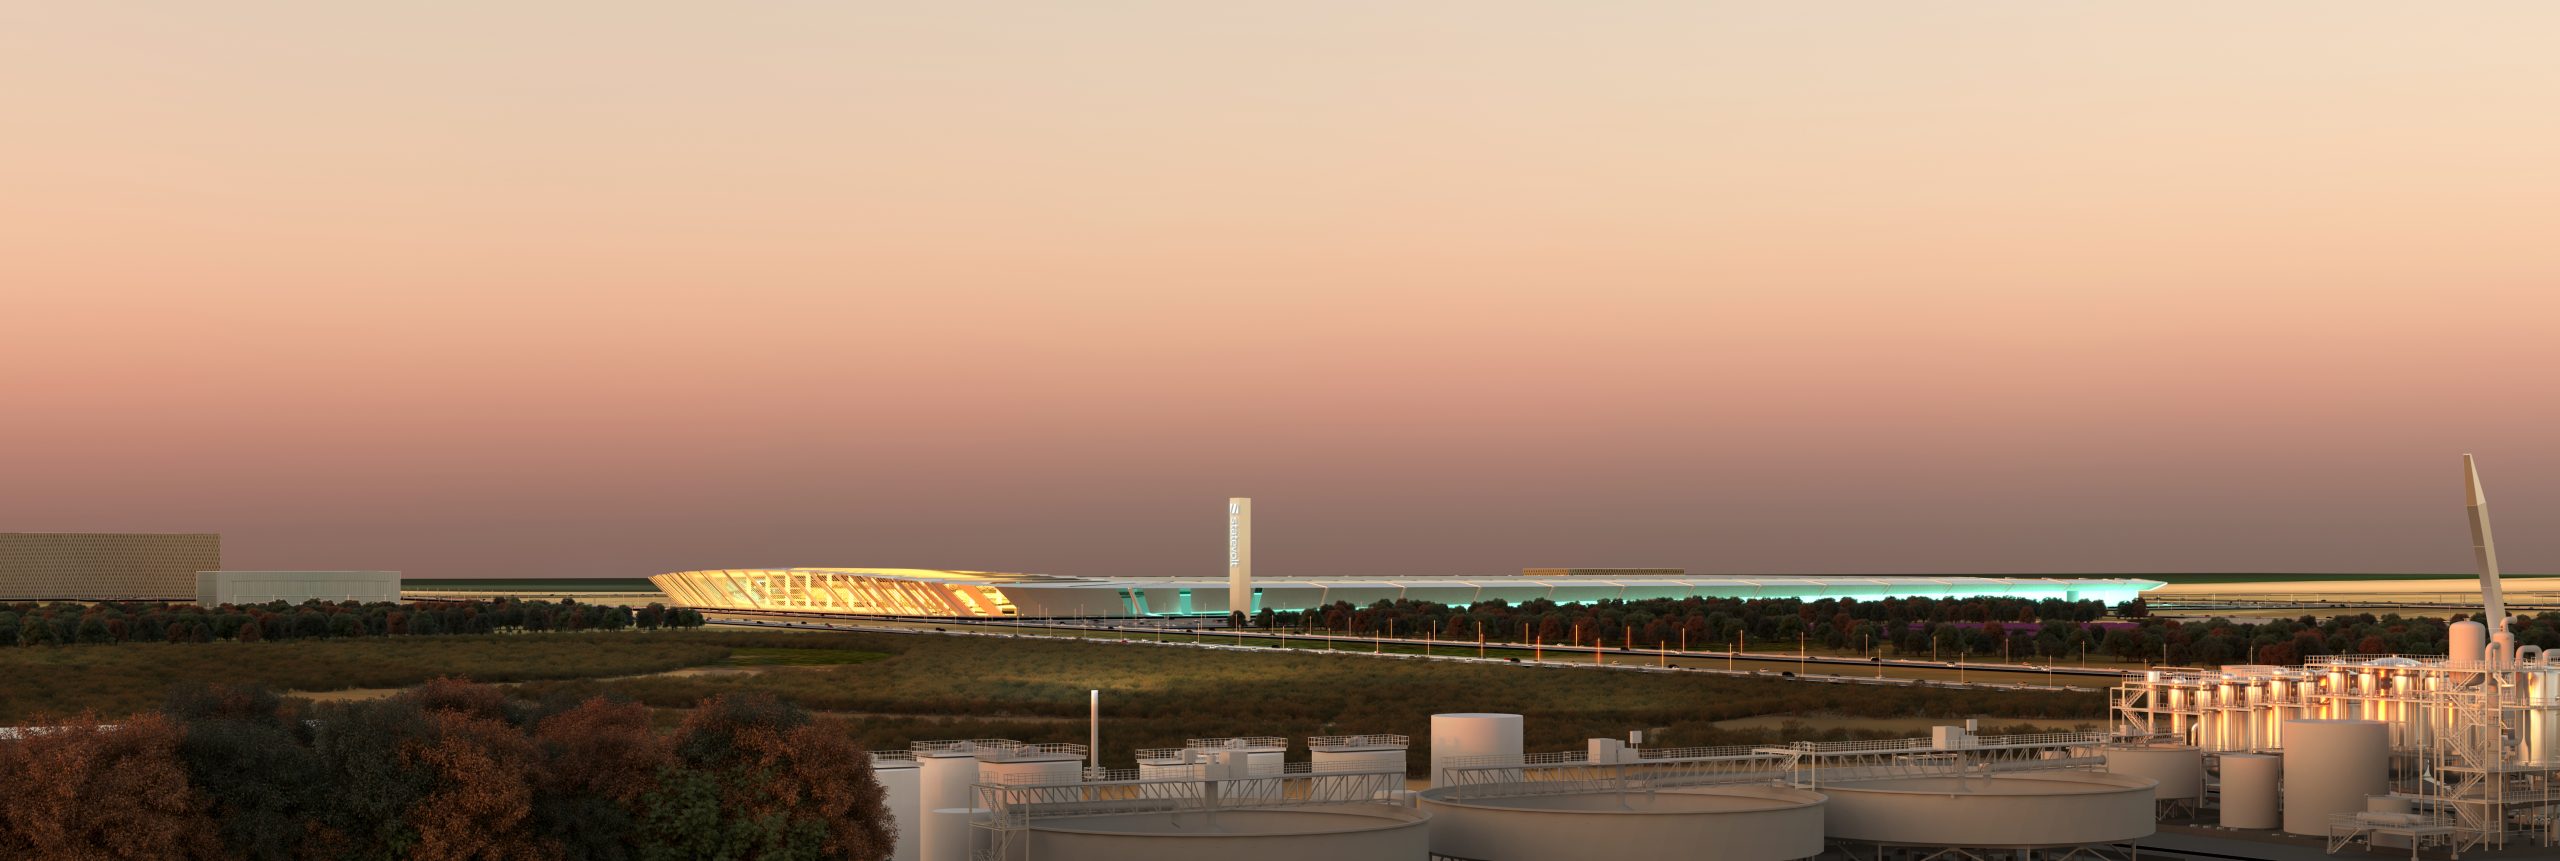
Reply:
x=1240, y=555
x=2484, y=552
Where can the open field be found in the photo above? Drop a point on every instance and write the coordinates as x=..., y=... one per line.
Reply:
x=1767, y=656
x=1034, y=689
x=128, y=677
x=899, y=688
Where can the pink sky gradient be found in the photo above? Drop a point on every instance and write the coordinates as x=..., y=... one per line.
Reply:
x=564, y=289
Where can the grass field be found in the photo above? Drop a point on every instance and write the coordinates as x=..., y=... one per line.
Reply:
x=771, y=656
x=1034, y=689
x=901, y=688
x=124, y=678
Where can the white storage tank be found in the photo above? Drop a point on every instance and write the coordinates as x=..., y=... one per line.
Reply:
x=1730, y=823
x=901, y=781
x=1263, y=755
x=1472, y=734
x=2466, y=643
x=2180, y=770
x=1343, y=753
x=1168, y=763
x=2329, y=768
x=946, y=774
x=1061, y=769
x=2249, y=791
x=944, y=778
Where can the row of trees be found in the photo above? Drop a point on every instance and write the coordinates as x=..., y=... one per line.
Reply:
x=26, y=624
x=2018, y=628
x=448, y=770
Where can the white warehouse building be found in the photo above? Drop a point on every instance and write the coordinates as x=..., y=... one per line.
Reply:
x=216, y=588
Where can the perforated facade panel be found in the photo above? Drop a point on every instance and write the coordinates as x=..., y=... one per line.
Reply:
x=104, y=565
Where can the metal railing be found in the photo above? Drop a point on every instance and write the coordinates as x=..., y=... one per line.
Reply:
x=961, y=745
x=1326, y=742
x=1008, y=810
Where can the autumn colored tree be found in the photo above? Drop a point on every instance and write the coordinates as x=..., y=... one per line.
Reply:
x=599, y=758
x=90, y=791
x=758, y=779
x=480, y=801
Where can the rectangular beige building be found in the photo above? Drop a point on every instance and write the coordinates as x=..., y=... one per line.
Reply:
x=99, y=566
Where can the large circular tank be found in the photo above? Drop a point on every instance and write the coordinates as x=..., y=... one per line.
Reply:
x=2329, y=767
x=901, y=782
x=2009, y=810
x=2180, y=770
x=1339, y=831
x=1456, y=736
x=1739, y=823
x=2249, y=791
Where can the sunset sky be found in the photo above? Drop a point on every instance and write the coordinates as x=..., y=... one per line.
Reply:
x=619, y=288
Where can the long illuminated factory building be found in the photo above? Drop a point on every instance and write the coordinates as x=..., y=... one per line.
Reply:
x=981, y=594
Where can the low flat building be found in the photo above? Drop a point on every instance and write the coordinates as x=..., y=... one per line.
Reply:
x=216, y=588
x=987, y=594
x=1603, y=572
x=104, y=566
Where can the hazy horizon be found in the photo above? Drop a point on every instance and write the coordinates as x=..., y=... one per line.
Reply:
x=586, y=289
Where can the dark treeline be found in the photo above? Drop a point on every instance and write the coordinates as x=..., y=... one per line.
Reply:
x=449, y=770
x=25, y=624
x=2020, y=628
x=2289, y=641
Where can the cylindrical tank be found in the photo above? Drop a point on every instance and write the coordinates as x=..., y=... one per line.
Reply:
x=1168, y=764
x=2026, y=809
x=1358, y=759
x=948, y=837
x=2389, y=804
x=2329, y=768
x=2180, y=770
x=945, y=781
x=2465, y=642
x=2540, y=744
x=1469, y=734
x=1729, y=823
x=901, y=781
x=2249, y=791
x=1337, y=831
x=1031, y=771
